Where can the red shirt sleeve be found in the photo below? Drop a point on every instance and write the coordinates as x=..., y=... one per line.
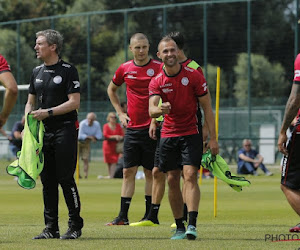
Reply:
x=297, y=69
x=201, y=85
x=154, y=86
x=3, y=65
x=118, y=77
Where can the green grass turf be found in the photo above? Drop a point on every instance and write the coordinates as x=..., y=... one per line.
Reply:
x=243, y=219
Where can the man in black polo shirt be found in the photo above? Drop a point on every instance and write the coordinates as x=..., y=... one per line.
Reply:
x=54, y=96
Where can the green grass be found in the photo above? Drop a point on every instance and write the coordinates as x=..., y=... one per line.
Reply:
x=242, y=220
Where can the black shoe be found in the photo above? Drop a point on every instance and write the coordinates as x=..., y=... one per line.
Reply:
x=144, y=218
x=118, y=221
x=47, y=234
x=71, y=234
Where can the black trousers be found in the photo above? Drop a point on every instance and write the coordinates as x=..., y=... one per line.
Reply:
x=60, y=157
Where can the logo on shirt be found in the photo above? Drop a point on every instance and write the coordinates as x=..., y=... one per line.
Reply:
x=66, y=65
x=204, y=85
x=185, y=81
x=297, y=73
x=150, y=72
x=166, y=85
x=76, y=84
x=167, y=90
x=49, y=71
x=131, y=77
x=57, y=79
x=38, y=80
x=131, y=72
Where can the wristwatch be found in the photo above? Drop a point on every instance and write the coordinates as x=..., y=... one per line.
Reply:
x=50, y=112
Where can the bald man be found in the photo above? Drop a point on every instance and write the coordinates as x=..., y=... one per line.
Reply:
x=89, y=131
x=139, y=148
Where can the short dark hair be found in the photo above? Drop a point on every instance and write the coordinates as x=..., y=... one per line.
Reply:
x=178, y=38
x=165, y=39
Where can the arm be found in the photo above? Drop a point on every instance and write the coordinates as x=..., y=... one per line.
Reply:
x=30, y=105
x=156, y=111
x=205, y=131
x=246, y=158
x=108, y=136
x=81, y=133
x=259, y=159
x=291, y=109
x=114, y=99
x=10, y=98
x=152, y=129
x=98, y=135
x=72, y=104
x=210, y=119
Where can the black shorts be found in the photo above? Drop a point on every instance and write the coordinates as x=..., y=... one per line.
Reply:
x=290, y=175
x=139, y=149
x=180, y=151
x=156, y=158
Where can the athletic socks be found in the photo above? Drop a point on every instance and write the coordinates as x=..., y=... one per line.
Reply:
x=125, y=204
x=153, y=213
x=179, y=223
x=185, y=212
x=193, y=218
x=148, y=199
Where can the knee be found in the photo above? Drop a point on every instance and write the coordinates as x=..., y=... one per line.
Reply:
x=173, y=181
x=148, y=174
x=129, y=173
x=157, y=174
x=190, y=175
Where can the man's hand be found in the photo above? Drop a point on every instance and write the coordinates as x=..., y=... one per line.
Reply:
x=91, y=138
x=152, y=130
x=282, y=139
x=40, y=114
x=165, y=107
x=213, y=146
x=123, y=117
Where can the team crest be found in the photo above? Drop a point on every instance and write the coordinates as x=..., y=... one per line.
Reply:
x=57, y=79
x=150, y=72
x=185, y=81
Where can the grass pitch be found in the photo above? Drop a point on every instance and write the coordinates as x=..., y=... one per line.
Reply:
x=243, y=219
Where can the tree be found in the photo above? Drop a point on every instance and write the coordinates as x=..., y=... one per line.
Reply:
x=267, y=80
x=17, y=10
x=114, y=62
x=8, y=47
x=212, y=82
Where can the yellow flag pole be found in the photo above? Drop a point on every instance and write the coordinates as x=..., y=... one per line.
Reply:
x=217, y=132
x=200, y=175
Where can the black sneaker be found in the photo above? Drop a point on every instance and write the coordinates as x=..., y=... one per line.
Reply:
x=47, y=234
x=118, y=222
x=71, y=234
